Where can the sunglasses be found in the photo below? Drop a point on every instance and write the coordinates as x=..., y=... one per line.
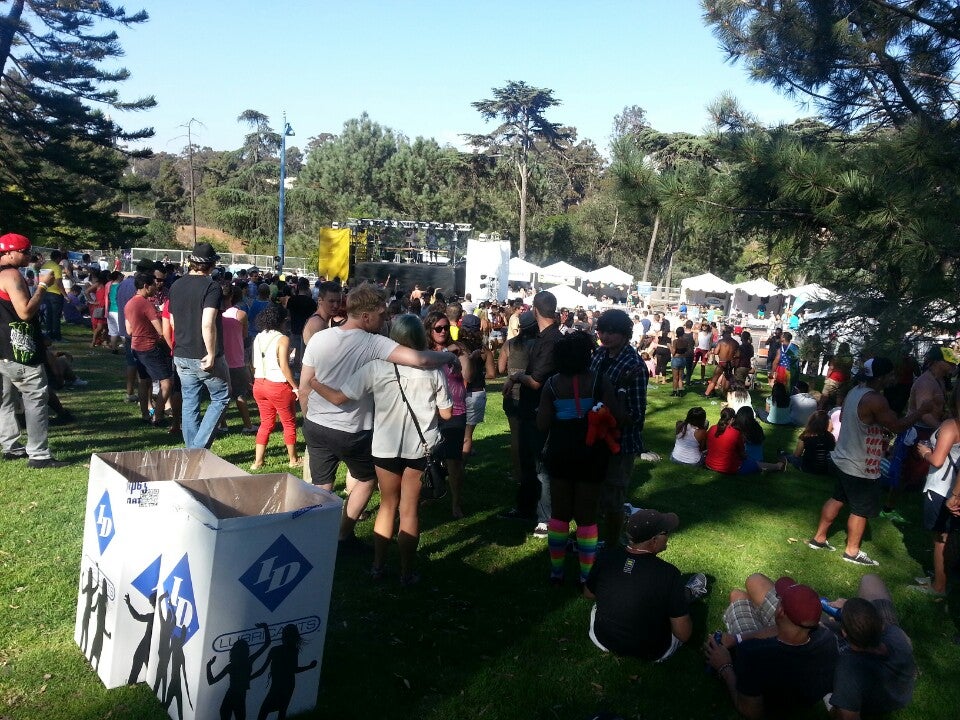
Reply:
x=441, y=328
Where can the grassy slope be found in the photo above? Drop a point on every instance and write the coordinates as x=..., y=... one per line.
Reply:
x=483, y=635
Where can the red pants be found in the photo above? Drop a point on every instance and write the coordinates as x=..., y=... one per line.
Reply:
x=273, y=399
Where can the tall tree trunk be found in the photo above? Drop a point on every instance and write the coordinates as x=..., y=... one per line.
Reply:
x=613, y=236
x=653, y=240
x=8, y=29
x=522, y=191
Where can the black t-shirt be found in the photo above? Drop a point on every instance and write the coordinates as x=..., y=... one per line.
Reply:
x=188, y=298
x=816, y=451
x=786, y=676
x=300, y=307
x=636, y=597
x=540, y=366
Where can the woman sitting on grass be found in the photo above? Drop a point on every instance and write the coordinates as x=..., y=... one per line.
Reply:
x=814, y=446
x=576, y=470
x=274, y=388
x=746, y=422
x=399, y=456
x=778, y=406
x=691, y=440
x=726, y=450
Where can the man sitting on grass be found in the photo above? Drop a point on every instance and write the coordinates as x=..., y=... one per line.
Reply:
x=876, y=671
x=783, y=659
x=642, y=603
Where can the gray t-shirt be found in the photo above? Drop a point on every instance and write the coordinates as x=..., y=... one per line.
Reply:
x=394, y=434
x=335, y=355
x=874, y=684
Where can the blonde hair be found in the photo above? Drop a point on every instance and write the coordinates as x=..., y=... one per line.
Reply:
x=365, y=298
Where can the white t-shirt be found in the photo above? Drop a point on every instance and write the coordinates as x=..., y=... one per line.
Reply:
x=335, y=355
x=802, y=406
x=394, y=434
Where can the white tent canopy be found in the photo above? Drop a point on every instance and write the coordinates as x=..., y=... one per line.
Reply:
x=803, y=294
x=569, y=298
x=750, y=295
x=707, y=283
x=521, y=270
x=610, y=276
x=561, y=272
x=705, y=289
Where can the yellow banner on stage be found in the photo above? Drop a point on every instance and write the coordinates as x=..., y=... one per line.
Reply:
x=334, y=253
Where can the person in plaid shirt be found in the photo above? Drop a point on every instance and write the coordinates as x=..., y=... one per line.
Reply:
x=619, y=362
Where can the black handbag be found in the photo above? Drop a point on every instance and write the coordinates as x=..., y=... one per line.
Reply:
x=434, y=478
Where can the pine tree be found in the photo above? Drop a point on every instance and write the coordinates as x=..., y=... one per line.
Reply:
x=61, y=169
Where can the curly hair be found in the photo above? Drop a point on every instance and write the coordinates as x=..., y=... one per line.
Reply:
x=271, y=317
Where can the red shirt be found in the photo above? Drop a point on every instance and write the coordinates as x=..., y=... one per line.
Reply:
x=725, y=454
x=139, y=314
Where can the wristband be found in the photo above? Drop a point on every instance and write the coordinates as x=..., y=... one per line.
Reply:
x=725, y=666
x=739, y=638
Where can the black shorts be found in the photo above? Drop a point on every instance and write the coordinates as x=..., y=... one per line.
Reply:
x=154, y=364
x=510, y=408
x=936, y=516
x=239, y=382
x=451, y=434
x=328, y=447
x=861, y=494
x=398, y=465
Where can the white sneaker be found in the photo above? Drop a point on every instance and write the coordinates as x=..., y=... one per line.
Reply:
x=649, y=457
x=540, y=531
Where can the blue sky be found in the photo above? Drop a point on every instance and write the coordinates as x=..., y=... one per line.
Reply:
x=416, y=66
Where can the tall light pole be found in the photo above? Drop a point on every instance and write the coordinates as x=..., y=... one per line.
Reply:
x=287, y=130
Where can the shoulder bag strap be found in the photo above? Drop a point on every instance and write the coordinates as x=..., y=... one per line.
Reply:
x=413, y=415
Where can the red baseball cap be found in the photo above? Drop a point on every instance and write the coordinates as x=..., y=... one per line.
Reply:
x=11, y=242
x=800, y=603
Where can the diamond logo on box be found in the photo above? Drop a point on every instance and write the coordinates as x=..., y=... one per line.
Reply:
x=180, y=609
x=147, y=581
x=275, y=574
x=103, y=521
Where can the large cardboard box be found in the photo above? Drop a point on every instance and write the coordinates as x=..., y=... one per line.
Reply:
x=244, y=592
x=124, y=534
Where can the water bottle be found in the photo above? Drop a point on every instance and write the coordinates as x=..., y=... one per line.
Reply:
x=829, y=609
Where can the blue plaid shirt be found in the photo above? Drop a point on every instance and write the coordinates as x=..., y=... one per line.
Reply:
x=634, y=400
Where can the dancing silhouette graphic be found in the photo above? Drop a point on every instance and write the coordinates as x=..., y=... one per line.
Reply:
x=101, y=608
x=239, y=668
x=282, y=662
x=167, y=624
x=89, y=590
x=141, y=655
x=178, y=672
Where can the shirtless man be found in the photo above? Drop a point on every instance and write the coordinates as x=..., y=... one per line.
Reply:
x=726, y=352
x=329, y=301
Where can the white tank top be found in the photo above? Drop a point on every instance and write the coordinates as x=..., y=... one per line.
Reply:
x=861, y=446
x=940, y=479
x=265, y=362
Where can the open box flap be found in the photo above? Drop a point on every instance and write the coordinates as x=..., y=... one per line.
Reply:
x=174, y=464
x=252, y=496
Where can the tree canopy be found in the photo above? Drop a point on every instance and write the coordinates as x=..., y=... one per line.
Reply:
x=520, y=109
x=61, y=171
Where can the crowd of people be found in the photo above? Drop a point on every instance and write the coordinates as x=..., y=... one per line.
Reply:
x=387, y=382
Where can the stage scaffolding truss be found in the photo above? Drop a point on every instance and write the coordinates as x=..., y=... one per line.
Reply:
x=408, y=241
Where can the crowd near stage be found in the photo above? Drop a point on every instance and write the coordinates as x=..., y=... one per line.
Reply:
x=406, y=275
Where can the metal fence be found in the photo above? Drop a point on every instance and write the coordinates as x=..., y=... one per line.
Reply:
x=180, y=256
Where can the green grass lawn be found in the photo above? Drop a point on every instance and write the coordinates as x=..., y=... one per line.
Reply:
x=483, y=635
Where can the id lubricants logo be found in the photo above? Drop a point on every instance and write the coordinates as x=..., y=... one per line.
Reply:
x=147, y=581
x=275, y=574
x=180, y=599
x=103, y=520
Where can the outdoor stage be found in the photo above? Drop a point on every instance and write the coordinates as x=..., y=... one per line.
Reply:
x=406, y=275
